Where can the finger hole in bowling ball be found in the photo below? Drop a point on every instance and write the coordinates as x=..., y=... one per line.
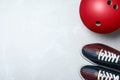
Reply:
x=98, y=23
x=109, y=2
x=115, y=6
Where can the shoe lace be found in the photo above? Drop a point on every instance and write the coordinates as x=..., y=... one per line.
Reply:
x=103, y=75
x=108, y=56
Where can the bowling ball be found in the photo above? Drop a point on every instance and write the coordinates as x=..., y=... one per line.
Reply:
x=100, y=16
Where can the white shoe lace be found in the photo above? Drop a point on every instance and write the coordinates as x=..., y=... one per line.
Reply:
x=108, y=56
x=103, y=75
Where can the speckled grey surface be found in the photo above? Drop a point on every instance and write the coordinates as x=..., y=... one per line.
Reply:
x=42, y=40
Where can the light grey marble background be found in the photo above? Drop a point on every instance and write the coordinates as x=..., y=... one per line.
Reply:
x=42, y=40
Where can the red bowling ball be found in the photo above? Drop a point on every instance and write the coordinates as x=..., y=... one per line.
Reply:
x=100, y=16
